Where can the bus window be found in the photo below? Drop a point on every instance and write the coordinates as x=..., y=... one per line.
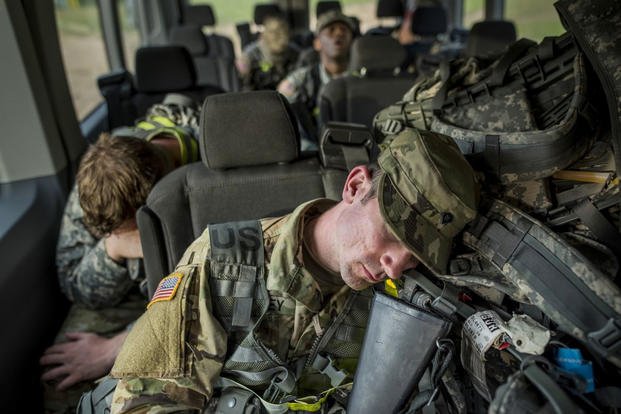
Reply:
x=474, y=11
x=129, y=32
x=534, y=19
x=83, y=51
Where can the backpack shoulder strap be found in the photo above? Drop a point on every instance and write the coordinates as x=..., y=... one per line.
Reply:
x=237, y=269
x=552, y=275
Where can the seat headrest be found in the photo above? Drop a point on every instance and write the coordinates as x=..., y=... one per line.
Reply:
x=389, y=8
x=200, y=14
x=247, y=128
x=261, y=11
x=324, y=6
x=164, y=69
x=376, y=53
x=489, y=38
x=429, y=21
x=191, y=37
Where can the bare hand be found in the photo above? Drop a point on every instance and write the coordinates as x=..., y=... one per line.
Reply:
x=124, y=245
x=86, y=356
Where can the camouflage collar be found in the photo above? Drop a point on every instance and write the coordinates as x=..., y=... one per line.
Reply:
x=286, y=272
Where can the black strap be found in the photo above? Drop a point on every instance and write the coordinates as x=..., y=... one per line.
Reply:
x=445, y=76
x=516, y=50
x=599, y=225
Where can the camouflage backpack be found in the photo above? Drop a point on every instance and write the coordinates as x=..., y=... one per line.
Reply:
x=522, y=117
x=546, y=243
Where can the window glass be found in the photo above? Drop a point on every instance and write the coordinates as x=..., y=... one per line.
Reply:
x=474, y=11
x=129, y=32
x=83, y=51
x=534, y=19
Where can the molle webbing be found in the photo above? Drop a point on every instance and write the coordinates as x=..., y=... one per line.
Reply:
x=546, y=83
x=552, y=275
x=237, y=267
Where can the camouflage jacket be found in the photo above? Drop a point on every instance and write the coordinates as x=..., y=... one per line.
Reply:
x=174, y=354
x=260, y=70
x=87, y=275
x=303, y=88
x=304, y=85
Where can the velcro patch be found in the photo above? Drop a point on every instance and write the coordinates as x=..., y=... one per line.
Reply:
x=167, y=288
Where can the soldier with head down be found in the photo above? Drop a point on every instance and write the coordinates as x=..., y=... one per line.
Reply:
x=307, y=288
x=99, y=255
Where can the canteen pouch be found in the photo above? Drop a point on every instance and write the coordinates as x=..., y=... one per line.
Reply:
x=398, y=346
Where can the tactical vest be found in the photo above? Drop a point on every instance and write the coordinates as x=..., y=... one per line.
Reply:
x=240, y=300
x=240, y=303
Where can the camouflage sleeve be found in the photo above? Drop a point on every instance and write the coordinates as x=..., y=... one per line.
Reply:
x=87, y=275
x=173, y=355
x=292, y=86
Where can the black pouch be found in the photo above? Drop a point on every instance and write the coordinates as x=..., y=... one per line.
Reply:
x=398, y=346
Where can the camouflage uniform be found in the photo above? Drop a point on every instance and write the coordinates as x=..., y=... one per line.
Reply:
x=175, y=353
x=107, y=296
x=265, y=69
x=304, y=87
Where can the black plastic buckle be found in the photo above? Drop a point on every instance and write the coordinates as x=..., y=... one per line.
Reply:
x=607, y=340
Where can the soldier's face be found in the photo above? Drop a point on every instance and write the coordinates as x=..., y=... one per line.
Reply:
x=368, y=252
x=335, y=40
x=276, y=35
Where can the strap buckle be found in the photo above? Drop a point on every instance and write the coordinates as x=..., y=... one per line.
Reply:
x=280, y=387
x=607, y=340
x=326, y=366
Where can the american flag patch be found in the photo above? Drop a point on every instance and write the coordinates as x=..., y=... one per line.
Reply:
x=167, y=288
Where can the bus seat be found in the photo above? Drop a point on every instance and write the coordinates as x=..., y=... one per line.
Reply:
x=210, y=69
x=489, y=38
x=203, y=15
x=428, y=22
x=251, y=169
x=372, y=85
x=164, y=69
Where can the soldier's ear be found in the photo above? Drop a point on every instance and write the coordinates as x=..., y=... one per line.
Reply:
x=357, y=184
x=317, y=44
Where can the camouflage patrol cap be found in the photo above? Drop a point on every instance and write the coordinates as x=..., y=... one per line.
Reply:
x=427, y=195
x=333, y=16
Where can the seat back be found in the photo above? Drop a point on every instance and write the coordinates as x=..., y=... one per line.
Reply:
x=164, y=69
x=159, y=70
x=373, y=85
x=489, y=38
x=211, y=69
x=325, y=6
x=251, y=169
x=428, y=22
x=203, y=15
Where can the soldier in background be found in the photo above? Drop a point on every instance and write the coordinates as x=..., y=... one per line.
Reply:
x=99, y=252
x=334, y=36
x=266, y=61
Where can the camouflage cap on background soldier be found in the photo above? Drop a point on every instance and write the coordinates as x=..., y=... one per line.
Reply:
x=427, y=195
x=333, y=16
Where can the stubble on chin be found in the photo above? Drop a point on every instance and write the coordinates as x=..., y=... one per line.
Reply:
x=354, y=281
